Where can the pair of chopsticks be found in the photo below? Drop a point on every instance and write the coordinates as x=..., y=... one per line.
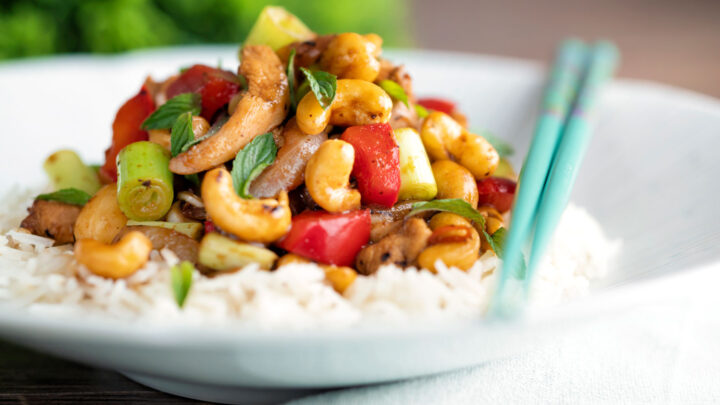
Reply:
x=561, y=136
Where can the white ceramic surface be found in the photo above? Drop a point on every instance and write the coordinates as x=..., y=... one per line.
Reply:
x=650, y=176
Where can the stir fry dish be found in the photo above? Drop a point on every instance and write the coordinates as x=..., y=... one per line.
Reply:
x=316, y=150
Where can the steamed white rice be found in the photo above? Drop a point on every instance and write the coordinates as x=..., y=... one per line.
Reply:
x=44, y=279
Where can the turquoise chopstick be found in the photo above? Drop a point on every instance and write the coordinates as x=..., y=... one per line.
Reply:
x=570, y=152
x=557, y=100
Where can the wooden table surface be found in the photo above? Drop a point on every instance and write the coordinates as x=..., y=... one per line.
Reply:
x=663, y=40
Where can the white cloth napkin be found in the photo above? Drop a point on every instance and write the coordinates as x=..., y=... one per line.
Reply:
x=666, y=352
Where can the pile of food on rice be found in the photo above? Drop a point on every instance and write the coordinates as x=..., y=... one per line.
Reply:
x=311, y=186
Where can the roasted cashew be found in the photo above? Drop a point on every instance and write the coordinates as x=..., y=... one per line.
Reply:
x=356, y=102
x=444, y=138
x=327, y=176
x=258, y=220
x=262, y=108
x=114, y=261
x=353, y=56
x=339, y=277
x=101, y=218
x=454, y=181
x=460, y=254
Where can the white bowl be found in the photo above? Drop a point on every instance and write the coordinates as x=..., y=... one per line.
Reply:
x=650, y=177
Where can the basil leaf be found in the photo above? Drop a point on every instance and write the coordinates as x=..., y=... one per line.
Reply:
x=67, y=195
x=181, y=281
x=291, y=79
x=454, y=205
x=503, y=148
x=250, y=162
x=181, y=135
x=166, y=115
x=421, y=111
x=497, y=241
x=395, y=91
x=323, y=84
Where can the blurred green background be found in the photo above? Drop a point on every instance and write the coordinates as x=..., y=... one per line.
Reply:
x=42, y=27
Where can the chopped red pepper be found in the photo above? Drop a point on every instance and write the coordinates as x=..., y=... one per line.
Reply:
x=126, y=130
x=377, y=163
x=437, y=104
x=216, y=87
x=328, y=238
x=209, y=227
x=497, y=192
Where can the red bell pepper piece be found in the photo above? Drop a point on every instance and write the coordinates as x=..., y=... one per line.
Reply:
x=126, y=130
x=437, y=104
x=215, y=86
x=497, y=192
x=328, y=238
x=377, y=163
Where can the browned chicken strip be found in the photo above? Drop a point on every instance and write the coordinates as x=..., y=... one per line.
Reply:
x=262, y=108
x=52, y=219
x=288, y=170
x=400, y=248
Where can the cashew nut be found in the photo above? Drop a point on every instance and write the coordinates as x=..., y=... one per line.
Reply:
x=353, y=56
x=259, y=220
x=101, y=218
x=460, y=254
x=339, y=277
x=444, y=138
x=262, y=108
x=114, y=261
x=493, y=221
x=327, y=176
x=356, y=102
x=455, y=181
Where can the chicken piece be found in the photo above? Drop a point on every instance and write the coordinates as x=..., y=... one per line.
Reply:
x=288, y=170
x=52, y=219
x=400, y=248
x=262, y=108
x=184, y=247
x=386, y=220
x=403, y=116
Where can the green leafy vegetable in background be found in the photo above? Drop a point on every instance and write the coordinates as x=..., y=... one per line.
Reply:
x=250, y=162
x=323, y=85
x=166, y=115
x=395, y=91
x=41, y=27
x=67, y=196
x=181, y=281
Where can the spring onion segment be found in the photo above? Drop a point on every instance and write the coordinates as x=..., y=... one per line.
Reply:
x=145, y=183
x=276, y=27
x=416, y=177
x=220, y=253
x=67, y=171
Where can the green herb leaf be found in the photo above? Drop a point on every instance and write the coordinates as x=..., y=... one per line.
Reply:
x=497, y=241
x=421, y=111
x=181, y=280
x=323, y=84
x=67, y=196
x=454, y=205
x=193, y=178
x=181, y=136
x=166, y=115
x=251, y=161
x=291, y=79
x=302, y=90
x=503, y=148
x=395, y=91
